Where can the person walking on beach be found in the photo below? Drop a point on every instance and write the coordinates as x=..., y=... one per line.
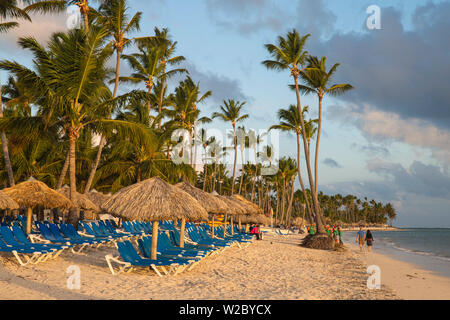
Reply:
x=360, y=237
x=340, y=235
x=369, y=240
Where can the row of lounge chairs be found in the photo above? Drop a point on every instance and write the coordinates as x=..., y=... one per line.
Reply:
x=133, y=242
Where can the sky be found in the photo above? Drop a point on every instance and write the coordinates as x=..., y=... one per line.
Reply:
x=388, y=139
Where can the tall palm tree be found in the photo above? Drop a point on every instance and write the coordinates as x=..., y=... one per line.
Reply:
x=113, y=16
x=163, y=40
x=231, y=112
x=290, y=122
x=290, y=55
x=318, y=80
x=70, y=77
x=5, y=149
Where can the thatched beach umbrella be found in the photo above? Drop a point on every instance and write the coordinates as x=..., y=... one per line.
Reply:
x=81, y=200
x=33, y=193
x=97, y=197
x=250, y=207
x=6, y=202
x=212, y=204
x=154, y=200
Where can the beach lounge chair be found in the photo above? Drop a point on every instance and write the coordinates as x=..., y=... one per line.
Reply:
x=25, y=254
x=22, y=238
x=144, y=245
x=131, y=259
x=69, y=231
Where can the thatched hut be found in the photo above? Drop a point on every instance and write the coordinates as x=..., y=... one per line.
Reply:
x=154, y=200
x=82, y=202
x=211, y=203
x=33, y=193
x=97, y=197
x=6, y=202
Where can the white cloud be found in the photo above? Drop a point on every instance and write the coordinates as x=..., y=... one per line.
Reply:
x=388, y=126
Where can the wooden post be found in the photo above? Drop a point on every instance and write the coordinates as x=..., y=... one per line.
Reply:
x=183, y=226
x=29, y=215
x=246, y=228
x=231, y=220
x=225, y=224
x=153, y=251
x=213, y=226
x=239, y=223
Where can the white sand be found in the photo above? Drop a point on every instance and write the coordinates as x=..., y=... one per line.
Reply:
x=274, y=268
x=409, y=281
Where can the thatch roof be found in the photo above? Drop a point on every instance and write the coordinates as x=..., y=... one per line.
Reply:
x=6, y=202
x=97, y=197
x=212, y=204
x=80, y=200
x=234, y=207
x=154, y=199
x=33, y=193
x=250, y=207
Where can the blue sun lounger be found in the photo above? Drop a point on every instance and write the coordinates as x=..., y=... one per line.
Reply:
x=132, y=259
x=30, y=254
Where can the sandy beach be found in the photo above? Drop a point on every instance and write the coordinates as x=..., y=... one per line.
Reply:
x=408, y=280
x=274, y=268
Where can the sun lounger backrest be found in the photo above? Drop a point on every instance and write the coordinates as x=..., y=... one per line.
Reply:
x=46, y=232
x=8, y=236
x=56, y=232
x=20, y=235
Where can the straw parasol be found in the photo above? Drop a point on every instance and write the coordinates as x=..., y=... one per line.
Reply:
x=212, y=204
x=6, y=202
x=33, y=193
x=154, y=200
x=81, y=200
x=250, y=207
x=97, y=197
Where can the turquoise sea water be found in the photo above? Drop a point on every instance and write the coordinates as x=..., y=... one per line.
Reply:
x=426, y=247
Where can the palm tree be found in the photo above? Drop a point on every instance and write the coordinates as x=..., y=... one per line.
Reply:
x=70, y=78
x=231, y=112
x=162, y=40
x=290, y=122
x=184, y=112
x=290, y=55
x=317, y=80
x=113, y=16
x=10, y=9
x=5, y=149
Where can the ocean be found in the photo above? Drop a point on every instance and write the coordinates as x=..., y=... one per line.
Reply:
x=428, y=248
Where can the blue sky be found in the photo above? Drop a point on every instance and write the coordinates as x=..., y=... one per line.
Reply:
x=388, y=140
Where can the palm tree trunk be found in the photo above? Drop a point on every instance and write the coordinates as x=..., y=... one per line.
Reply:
x=291, y=200
x=64, y=170
x=316, y=161
x=235, y=158
x=320, y=227
x=5, y=148
x=74, y=212
x=161, y=96
x=300, y=176
x=103, y=139
x=242, y=171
